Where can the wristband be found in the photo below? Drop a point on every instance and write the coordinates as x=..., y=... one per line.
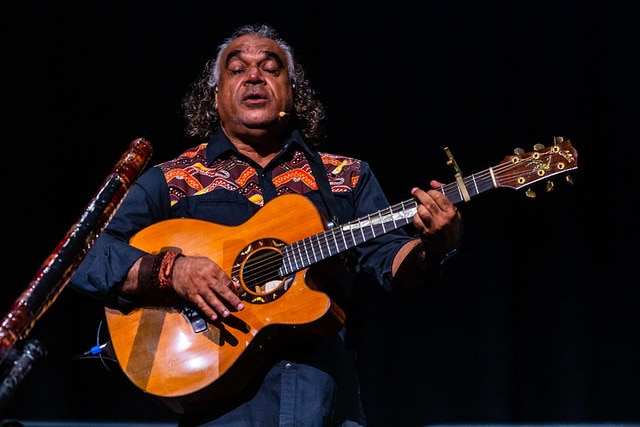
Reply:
x=162, y=269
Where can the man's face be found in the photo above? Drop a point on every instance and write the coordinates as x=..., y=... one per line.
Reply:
x=254, y=85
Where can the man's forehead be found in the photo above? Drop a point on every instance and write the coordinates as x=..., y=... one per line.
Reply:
x=251, y=44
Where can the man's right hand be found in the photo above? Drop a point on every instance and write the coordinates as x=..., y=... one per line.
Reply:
x=202, y=282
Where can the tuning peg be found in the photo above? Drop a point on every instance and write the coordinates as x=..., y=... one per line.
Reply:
x=557, y=140
x=530, y=193
x=550, y=186
x=518, y=151
x=538, y=147
x=569, y=179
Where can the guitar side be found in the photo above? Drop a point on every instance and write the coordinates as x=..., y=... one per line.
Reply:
x=157, y=347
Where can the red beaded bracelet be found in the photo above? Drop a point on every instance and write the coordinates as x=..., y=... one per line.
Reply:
x=162, y=270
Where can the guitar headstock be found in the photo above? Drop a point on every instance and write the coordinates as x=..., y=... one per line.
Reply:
x=523, y=169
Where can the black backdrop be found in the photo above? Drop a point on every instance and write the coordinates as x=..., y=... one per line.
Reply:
x=536, y=319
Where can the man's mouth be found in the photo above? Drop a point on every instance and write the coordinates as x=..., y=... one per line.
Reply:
x=254, y=99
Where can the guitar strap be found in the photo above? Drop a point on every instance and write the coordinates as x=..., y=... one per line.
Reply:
x=317, y=167
x=341, y=287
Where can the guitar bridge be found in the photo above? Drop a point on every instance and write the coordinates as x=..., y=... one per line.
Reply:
x=195, y=320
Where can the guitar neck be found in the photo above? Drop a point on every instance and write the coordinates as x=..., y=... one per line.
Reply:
x=474, y=184
x=313, y=249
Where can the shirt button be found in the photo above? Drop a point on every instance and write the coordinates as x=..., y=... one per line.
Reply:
x=288, y=366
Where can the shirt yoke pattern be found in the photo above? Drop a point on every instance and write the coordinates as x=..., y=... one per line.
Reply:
x=188, y=175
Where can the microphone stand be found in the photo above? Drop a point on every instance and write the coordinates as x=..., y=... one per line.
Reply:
x=17, y=355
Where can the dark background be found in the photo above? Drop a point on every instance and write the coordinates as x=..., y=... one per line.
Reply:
x=536, y=320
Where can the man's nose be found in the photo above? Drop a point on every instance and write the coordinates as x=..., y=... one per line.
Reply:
x=254, y=74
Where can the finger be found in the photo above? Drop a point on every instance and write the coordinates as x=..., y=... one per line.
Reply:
x=215, y=303
x=228, y=293
x=440, y=201
x=422, y=220
x=430, y=210
x=204, y=307
x=435, y=184
x=422, y=197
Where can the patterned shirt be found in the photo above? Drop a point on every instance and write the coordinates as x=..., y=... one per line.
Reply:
x=190, y=175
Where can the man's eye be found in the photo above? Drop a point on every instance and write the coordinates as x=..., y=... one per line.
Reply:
x=237, y=71
x=271, y=70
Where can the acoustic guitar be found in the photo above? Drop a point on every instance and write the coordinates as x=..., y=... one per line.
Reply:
x=189, y=362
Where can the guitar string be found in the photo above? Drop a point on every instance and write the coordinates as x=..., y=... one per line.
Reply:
x=306, y=248
x=306, y=251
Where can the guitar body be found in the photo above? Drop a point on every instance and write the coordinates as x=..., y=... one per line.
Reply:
x=188, y=363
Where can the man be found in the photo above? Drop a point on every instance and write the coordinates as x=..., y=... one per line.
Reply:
x=260, y=123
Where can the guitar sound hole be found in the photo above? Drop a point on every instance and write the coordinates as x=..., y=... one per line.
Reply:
x=256, y=269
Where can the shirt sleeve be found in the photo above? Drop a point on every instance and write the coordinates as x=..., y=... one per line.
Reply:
x=106, y=264
x=376, y=256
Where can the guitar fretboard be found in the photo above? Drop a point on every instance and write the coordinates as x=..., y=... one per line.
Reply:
x=308, y=251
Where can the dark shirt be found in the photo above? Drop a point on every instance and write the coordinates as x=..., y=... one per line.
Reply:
x=214, y=182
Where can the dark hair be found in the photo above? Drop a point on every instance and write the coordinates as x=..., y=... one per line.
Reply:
x=198, y=104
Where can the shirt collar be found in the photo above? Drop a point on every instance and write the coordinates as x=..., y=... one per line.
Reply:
x=220, y=144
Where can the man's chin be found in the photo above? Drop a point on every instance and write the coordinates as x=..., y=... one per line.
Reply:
x=272, y=122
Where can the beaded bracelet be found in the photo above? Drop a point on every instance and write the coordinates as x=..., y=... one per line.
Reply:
x=162, y=269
